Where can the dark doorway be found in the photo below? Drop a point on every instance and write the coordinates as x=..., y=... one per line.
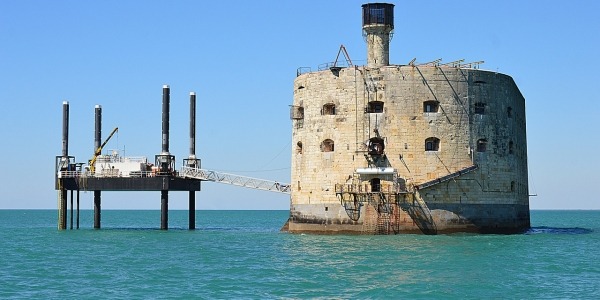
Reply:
x=375, y=185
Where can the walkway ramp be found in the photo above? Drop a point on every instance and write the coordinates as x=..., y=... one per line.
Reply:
x=237, y=180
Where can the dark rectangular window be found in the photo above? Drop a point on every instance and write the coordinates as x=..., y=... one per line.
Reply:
x=480, y=108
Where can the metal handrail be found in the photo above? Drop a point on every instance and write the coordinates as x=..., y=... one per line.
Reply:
x=76, y=174
x=237, y=180
x=366, y=188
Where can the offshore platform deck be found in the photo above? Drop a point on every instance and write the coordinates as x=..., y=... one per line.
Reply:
x=115, y=173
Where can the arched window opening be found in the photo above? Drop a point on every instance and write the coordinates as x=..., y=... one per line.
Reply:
x=510, y=147
x=328, y=109
x=480, y=108
x=375, y=107
x=299, y=147
x=432, y=144
x=376, y=146
x=509, y=112
x=482, y=145
x=512, y=186
x=431, y=106
x=375, y=185
x=327, y=146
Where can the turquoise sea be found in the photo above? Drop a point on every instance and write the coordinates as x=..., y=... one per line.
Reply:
x=242, y=255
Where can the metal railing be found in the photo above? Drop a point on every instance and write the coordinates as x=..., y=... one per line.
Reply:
x=365, y=188
x=77, y=174
x=120, y=159
x=237, y=180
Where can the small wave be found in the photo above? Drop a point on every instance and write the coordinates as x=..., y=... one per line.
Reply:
x=558, y=230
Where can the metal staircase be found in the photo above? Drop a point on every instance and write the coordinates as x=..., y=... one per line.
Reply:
x=237, y=180
x=417, y=209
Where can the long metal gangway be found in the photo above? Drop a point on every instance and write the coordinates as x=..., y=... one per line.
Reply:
x=237, y=180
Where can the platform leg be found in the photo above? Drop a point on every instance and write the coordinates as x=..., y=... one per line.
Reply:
x=164, y=210
x=77, y=209
x=192, y=210
x=97, y=209
x=62, y=210
x=71, y=216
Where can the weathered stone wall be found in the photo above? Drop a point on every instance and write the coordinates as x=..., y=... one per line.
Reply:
x=473, y=105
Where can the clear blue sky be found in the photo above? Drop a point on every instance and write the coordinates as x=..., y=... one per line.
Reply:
x=241, y=57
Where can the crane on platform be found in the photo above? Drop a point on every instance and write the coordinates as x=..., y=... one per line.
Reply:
x=92, y=162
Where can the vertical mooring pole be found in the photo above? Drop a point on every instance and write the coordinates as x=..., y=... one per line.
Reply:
x=97, y=144
x=192, y=159
x=62, y=201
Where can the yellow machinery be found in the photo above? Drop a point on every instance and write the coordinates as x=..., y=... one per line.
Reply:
x=92, y=161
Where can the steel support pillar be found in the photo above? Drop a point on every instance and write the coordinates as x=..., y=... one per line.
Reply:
x=77, y=209
x=71, y=216
x=164, y=210
x=97, y=209
x=192, y=210
x=62, y=210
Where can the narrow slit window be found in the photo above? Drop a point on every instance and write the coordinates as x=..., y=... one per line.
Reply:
x=299, y=148
x=509, y=112
x=510, y=147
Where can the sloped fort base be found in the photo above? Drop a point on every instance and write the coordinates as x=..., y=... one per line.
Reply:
x=447, y=218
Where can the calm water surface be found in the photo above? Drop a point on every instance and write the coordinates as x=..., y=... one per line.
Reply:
x=242, y=254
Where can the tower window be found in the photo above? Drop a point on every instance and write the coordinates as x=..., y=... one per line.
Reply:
x=509, y=112
x=328, y=109
x=510, y=147
x=375, y=107
x=512, y=186
x=327, y=146
x=296, y=112
x=430, y=106
x=482, y=145
x=299, y=148
x=432, y=144
x=480, y=108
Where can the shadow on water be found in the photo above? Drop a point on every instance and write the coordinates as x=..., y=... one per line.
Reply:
x=558, y=230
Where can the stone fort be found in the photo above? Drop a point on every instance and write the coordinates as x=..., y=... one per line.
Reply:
x=417, y=148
